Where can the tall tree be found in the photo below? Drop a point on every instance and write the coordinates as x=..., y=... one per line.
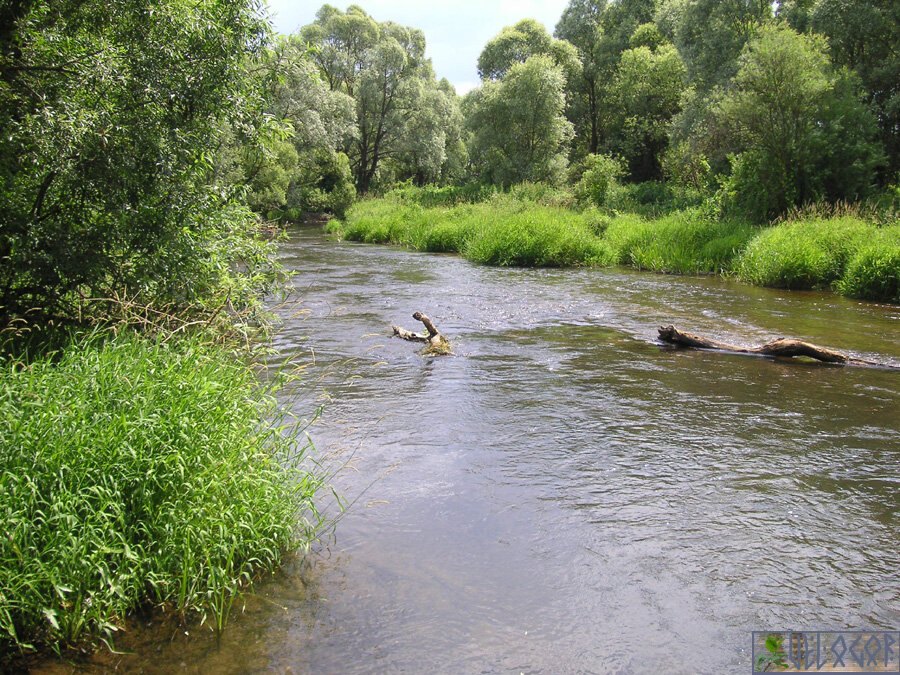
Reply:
x=865, y=35
x=580, y=26
x=515, y=44
x=382, y=66
x=798, y=127
x=647, y=92
x=711, y=34
x=518, y=125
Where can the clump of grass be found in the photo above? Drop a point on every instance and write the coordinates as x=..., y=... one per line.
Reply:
x=538, y=237
x=684, y=242
x=873, y=273
x=137, y=470
x=505, y=230
x=805, y=254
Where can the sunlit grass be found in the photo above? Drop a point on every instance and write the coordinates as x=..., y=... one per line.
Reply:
x=684, y=242
x=535, y=226
x=135, y=470
x=803, y=254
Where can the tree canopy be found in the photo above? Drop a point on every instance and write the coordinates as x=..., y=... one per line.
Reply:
x=519, y=130
x=400, y=108
x=109, y=113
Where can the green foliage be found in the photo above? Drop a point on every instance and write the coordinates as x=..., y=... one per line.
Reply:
x=598, y=175
x=774, y=654
x=580, y=26
x=516, y=44
x=710, y=35
x=647, y=93
x=401, y=111
x=865, y=35
x=805, y=254
x=647, y=35
x=140, y=470
x=519, y=131
x=323, y=182
x=684, y=242
x=685, y=166
x=801, y=132
x=109, y=114
x=873, y=272
x=652, y=199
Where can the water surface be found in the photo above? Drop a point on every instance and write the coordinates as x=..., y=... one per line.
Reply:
x=564, y=495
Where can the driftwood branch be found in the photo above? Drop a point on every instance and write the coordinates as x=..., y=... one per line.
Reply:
x=435, y=342
x=780, y=347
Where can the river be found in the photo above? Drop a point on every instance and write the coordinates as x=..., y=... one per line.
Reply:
x=563, y=494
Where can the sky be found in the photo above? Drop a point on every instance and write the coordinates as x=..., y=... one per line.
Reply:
x=455, y=30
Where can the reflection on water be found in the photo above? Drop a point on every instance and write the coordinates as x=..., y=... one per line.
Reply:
x=566, y=495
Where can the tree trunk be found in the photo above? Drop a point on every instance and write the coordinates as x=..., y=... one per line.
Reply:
x=781, y=347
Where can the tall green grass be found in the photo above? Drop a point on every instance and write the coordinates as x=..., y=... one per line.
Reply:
x=873, y=272
x=684, y=242
x=505, y=230
x=533, y=225
x=137, y=470
x=805, y=254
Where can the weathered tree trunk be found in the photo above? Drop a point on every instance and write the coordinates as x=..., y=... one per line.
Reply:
x=780, y=347
x=434, y=341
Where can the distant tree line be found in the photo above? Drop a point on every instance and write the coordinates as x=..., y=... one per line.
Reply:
x=769, y=106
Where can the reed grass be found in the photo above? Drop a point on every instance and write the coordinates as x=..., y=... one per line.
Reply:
x=138, y=470
x=683, y=242
x=532, y=225
x=803, y=254
x=873, y=272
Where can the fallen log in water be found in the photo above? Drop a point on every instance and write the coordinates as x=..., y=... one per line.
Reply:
x=435, y=343
x=780, y=347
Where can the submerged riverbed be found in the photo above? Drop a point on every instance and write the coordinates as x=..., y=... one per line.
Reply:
x=563, y=495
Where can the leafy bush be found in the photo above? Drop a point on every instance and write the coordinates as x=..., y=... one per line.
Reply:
x=109, y=118
x=596, y=176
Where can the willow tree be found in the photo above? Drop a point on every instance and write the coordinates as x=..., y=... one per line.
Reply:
x=382, y=66
x=863, y=35
x=518, y=125
x=798, y=127
x=580, y=25
x=515, y=44
x=647, y=94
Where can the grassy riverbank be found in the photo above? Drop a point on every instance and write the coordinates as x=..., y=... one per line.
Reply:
x=138, y=471
x=531, y=226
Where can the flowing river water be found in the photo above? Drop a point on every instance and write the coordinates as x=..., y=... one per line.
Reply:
x=563, y=494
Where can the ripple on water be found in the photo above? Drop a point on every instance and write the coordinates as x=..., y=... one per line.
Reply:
x=565, y=496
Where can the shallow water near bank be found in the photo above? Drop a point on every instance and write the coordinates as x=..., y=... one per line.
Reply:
x=564, y=495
